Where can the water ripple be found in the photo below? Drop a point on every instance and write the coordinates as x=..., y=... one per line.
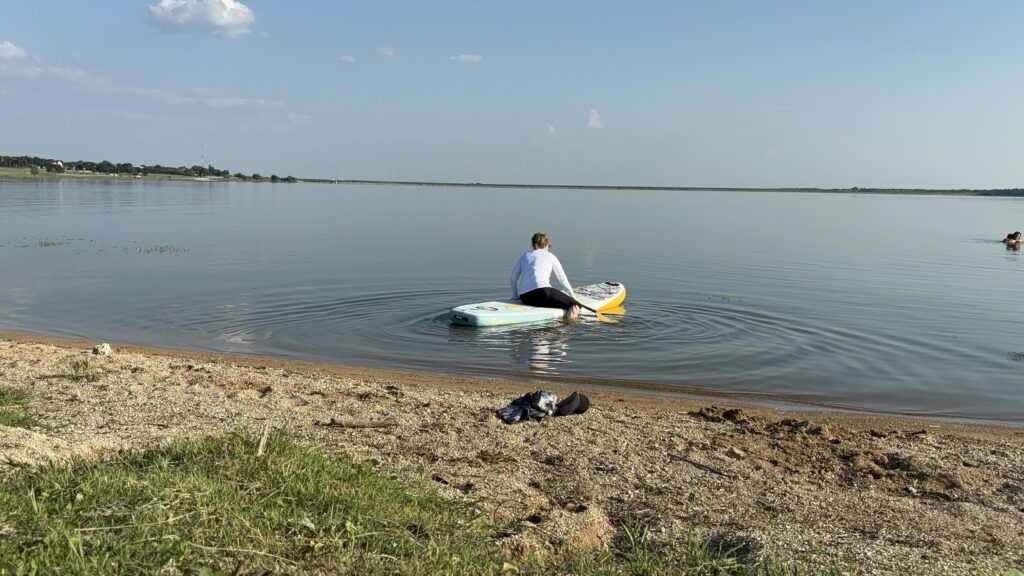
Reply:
x=875, y=302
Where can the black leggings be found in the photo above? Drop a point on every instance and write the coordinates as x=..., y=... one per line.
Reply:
x=547, y=298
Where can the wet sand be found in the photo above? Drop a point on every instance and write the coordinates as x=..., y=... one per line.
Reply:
x=872, y=492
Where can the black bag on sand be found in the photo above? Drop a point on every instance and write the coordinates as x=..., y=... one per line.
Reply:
x=539, y=405
x=533, y=406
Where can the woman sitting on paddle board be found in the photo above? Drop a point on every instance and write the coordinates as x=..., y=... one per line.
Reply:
x=531, y=279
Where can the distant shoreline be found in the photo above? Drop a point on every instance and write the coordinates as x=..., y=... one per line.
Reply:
x=1011, y=192
x=1005, y=193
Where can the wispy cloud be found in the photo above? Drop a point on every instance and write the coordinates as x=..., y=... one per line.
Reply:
x=348, y=59
x=594, y=119
x=96, y=82
x=8, y=51
x=206, y=98
x=75, y=75
x=550, y=128
x=297, y=118
x=386, y=52
x=468, y=59
x=213, y=100
x=222, y=17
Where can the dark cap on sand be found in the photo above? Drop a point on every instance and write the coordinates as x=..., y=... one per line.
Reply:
x=574, y=403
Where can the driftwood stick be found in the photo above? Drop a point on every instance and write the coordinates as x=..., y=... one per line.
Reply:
x=262, y=446
x=701, y=465
x=357, y=424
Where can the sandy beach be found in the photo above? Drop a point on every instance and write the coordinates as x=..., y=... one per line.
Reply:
x=868, y=493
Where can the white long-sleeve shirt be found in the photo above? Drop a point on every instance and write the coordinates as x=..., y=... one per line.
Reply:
x=533, y=270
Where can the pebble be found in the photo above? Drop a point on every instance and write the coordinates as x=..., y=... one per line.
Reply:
x=736, y=453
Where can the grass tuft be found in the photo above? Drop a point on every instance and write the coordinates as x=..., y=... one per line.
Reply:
x=14, y=411
x=81, y=371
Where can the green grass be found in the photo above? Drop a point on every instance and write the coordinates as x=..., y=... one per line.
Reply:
x=80, y=370
x=7, y=172
x=14, y=410
x=213, y=506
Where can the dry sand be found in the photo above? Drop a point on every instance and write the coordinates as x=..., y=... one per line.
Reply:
x=876, y=494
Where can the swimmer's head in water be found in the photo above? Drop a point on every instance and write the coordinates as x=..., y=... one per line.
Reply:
x=539, y=240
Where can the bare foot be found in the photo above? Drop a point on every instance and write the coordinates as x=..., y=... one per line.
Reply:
x=573, y=314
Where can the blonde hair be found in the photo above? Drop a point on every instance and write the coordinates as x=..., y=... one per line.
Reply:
x=540, y=240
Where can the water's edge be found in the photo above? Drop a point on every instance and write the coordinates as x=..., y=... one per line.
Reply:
x=510, y=378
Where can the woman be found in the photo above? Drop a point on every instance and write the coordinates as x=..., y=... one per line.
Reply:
x=1012, y=238
x=531, y=279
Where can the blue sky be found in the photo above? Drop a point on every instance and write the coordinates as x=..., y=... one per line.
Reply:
x=730, y=93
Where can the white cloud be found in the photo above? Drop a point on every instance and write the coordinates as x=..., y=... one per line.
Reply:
x=223, y=17
x=386, y=51
x=76, y=55
x=348, y=59
x=210, y=99
x=76, y=75
x=296, y=118
x=468, y=59
x=8, y=51
x=594, y=119
x=238, y=102
x=96, y=82
x=550, y=128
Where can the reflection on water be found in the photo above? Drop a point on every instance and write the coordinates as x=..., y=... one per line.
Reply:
x=542, y=352
x=542, y=348
x=536, y=348
x=908, y=306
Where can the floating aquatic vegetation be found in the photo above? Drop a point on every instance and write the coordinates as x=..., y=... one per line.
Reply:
x=159, y=249
x=725, y=298
x=47, y=243
x=25, y=242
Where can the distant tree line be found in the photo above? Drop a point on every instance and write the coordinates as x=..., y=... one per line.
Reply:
x=256, y=177
x=107, y=167
x=24, y=161
x=52, y=166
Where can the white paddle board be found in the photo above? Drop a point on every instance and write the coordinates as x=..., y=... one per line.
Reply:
x=600, y=297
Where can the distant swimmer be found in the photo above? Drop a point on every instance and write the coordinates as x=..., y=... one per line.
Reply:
x=1012, y=238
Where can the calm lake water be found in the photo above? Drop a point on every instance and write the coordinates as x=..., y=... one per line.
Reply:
x=892, y=303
